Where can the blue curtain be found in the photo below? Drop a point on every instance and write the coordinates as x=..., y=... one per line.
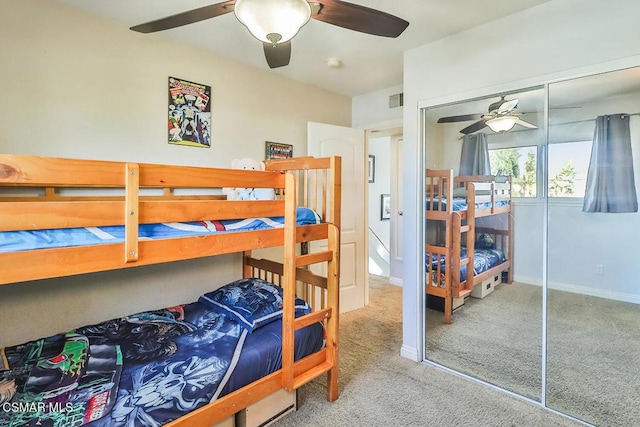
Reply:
x=610, y=182
x=474, y=159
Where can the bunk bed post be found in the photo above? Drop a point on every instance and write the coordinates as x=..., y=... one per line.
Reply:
x=448, y=306
x=333, y=289
x=471, y=234
x=247, y=270
x=336, y=195
x=454, y=287
x=448, y=190
x=449, y=277
x=131, y=211
x=289, y=279
x=333, y=276
x=449, y=208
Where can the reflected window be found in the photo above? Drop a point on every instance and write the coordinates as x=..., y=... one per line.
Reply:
x=521, y=164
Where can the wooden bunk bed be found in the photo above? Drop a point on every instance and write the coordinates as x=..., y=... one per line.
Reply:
x=148, y=194
x=455, y=203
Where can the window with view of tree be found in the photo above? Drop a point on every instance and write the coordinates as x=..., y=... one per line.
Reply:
x=520, y=163
x=568, y=166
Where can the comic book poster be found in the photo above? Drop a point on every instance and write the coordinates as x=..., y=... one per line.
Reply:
x=189, y=113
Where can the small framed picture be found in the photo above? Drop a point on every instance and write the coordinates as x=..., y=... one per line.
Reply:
x=385, y=206
x=372, y=168
x=277, y=150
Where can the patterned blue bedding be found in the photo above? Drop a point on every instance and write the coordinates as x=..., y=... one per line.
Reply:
x=460, y=204
x=483, y=260
x=13, y=241
x=144, y=369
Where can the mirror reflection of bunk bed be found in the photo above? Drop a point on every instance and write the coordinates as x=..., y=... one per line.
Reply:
x=454, y=241
x=172, y=371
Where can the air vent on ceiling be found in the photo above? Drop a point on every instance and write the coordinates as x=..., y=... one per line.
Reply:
x=396, y=100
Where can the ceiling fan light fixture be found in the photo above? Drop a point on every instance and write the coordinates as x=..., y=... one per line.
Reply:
x=502, y=123
x=334, y=62
x=273, y=21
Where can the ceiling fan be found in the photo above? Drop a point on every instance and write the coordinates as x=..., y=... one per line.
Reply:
x=276, y=22
x=501, y=117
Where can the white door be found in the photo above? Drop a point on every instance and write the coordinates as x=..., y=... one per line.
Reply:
x=329, y=140
x=396, y=211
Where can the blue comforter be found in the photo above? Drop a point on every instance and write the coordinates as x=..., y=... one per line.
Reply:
x=13, y=241
x=144, y=369
x=162, y=363
x=483, y=260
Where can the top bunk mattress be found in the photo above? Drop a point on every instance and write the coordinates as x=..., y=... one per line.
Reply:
x=460, y=204
x=14, y=241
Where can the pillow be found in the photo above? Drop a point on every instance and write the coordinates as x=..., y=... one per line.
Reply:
x=251, y=302
x=461, y=192
x=306, y=216
x=485, y=241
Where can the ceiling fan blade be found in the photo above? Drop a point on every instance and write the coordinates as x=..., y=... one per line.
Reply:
x=184, y=18
x=508, y=106
x=502, y=105
x=277, y=55
x=474, y=127
x=495, y=105
x=526, y=124
x=463, y=118
x=359, y=18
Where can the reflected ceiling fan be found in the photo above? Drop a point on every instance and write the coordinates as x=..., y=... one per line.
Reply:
x=276, y=22
x=501, y=117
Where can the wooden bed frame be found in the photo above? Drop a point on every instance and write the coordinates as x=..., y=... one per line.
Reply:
x=458, y=228
x=40, y=199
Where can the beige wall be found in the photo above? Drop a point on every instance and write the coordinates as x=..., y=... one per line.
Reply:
x=78, y=86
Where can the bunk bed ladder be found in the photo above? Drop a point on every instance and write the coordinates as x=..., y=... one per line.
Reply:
x=291, y=267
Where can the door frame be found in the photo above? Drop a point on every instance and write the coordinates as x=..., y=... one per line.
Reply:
x=391, y=128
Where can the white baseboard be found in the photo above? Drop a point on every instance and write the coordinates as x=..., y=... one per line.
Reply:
x=410, y=353
x=527, y=280
x=395, y=281
x=582, y=290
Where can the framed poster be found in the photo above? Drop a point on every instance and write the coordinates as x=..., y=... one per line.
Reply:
x=189, y=113
x=276, y=150
x=372, y=168
x=385, y=206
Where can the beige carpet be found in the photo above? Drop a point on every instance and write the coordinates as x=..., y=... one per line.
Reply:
x=497, y=339
x=593, y=362
x=381, y=388
x=593, y=349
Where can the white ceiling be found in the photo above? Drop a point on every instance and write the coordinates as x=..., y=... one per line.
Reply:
x=370, y=63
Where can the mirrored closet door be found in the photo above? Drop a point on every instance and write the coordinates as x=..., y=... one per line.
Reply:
x=593, y=316
x=483, y=207
x=554, y=198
